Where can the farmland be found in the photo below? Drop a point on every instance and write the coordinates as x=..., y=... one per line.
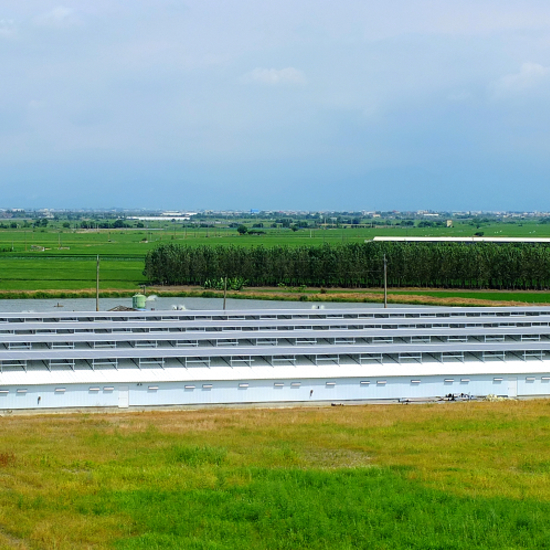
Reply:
x=470, y=475
x=135, y=241
x=62, y=260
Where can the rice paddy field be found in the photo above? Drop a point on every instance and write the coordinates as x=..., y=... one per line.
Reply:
x=58, y=240
x=441, y=476
x=73, y=273
x=57, y=262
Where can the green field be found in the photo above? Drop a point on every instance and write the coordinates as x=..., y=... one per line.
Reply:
x=69, y=273
x=453, y=476
x=139, y=241
x=65, y=260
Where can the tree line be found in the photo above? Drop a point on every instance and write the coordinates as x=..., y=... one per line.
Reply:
x=354, y=265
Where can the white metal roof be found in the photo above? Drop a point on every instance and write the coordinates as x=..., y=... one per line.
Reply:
x=298, y=333
x=356, y=312
x=472, y=239
x=209, y=325
x=288, y=344
x=270, y=351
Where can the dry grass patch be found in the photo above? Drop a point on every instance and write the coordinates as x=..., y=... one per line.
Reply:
x=335, y=295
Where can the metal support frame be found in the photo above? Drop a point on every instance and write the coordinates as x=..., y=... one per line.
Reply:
x=186, y=343
x=536, y=354
x=452, y=355
x=194, y=361
x=104, y=345
x=240, y=360
x=283, y=360
x=409, y=356
x=105, y=363
x=151, y=361
x=369, y=358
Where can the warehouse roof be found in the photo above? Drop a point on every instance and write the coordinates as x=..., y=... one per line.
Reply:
x=473, y=239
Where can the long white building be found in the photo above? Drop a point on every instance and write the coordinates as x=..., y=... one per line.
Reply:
x=136, y=359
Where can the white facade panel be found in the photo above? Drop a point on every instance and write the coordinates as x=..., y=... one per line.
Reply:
x=290, y=390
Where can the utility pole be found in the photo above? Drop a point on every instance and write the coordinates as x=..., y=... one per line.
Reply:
x=224, y=291
x=385, y=282
x=97, y=285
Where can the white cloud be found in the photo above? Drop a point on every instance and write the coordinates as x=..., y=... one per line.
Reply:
x=530, y=77
x=59, y=17
x=273, y=77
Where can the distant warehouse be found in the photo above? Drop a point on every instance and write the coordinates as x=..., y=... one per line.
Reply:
x=500, y=240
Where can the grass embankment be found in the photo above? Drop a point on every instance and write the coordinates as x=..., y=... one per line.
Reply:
x=521, y=296
x=471, y=475
x=413, y=297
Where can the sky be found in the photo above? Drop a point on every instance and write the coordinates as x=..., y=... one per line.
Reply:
x=295, y=104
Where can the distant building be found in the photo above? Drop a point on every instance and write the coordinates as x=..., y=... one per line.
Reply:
x=474, y=239
x=159, y=218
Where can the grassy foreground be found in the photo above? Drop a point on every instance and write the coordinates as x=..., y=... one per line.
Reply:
x=471, y=475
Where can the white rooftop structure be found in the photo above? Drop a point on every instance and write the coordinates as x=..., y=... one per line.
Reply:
x=148, y=358
x=474, y=239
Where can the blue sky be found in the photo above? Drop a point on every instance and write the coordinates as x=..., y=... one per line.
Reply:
x=302, y=104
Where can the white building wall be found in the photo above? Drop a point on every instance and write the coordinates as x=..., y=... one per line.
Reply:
x=257, y=391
